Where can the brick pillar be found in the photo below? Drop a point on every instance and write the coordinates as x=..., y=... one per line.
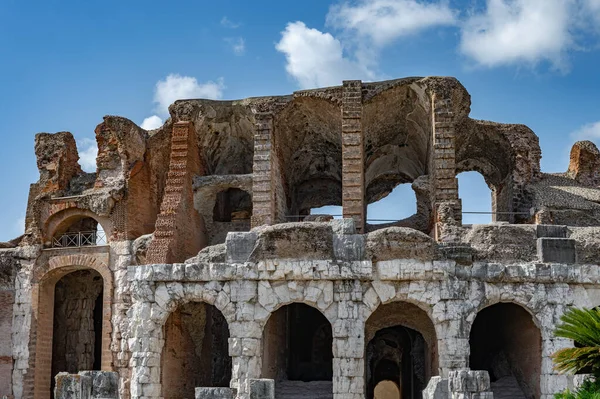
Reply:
x=178, y=230
x=263, y=193
x=353, y=154
x=443, y=162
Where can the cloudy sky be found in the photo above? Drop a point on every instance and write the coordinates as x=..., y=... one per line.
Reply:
x=65, y=64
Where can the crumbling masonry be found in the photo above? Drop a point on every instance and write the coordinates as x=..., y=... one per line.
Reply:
x=189, y=265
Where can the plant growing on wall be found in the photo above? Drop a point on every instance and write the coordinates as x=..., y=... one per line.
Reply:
x=583, y=327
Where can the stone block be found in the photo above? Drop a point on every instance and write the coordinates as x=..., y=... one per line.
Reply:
x=239, y=246
x=551, y=231
x=343, y=226
x=437, y=388
x=105, y=384
x=215, y=393
x=262, y=389
x=349, y=247
x=72, y=386
x=556, y=250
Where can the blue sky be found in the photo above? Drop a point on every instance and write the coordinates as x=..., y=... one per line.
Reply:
x=65, y=64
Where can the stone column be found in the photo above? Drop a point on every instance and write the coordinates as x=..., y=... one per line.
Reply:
x=263, y=195
x=443, y=164
x=348, y=342
x=353, y=155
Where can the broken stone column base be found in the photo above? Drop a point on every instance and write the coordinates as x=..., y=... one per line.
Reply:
x=215, y=393
x=460, y=384
x=87, y=384
x=262, y=389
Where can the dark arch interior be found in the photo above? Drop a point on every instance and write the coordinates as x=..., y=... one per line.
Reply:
x=231, y=205
x=196, y=352
x=505, y=341
x=297, y=346
x=397, y=354
x=77, y=325
x=401, y=347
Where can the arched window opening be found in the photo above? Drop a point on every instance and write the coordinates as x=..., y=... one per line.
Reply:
x=397, y=206
x=507, y=344
x=196, y=351
x=401, y=352
x=77, y=326
x=476, y=198
x=387, y=389
x=232, y=205
x=79, y=231
x=297, y=351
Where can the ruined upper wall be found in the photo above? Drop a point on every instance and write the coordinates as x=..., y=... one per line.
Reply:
x=297, y=155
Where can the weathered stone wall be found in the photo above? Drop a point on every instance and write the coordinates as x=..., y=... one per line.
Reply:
x=347, y=293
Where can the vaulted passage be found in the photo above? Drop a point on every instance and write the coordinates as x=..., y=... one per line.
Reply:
x=401, y=352
x=297, y=352
x=505, y=341
x=195, y=352
x=77, y=328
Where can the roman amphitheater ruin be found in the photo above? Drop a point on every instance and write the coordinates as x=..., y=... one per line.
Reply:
x=189, y=264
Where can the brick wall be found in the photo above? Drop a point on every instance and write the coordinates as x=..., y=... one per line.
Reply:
x=178, y=233
x=353, y=180
x=442, y=167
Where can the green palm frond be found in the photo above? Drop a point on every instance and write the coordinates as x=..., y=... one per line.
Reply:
x=583, y=327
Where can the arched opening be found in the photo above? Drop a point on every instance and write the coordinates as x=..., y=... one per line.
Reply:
x=77, y=325
x=195, y=353
x=79, y=231
x=506, y=342
x=397, y=141
x=387, y=389
x=297, y=351
x=308, y=166
x=401, y=348
x=397, y=206
x=476, y=198
x=232, y=205
x=232, y=212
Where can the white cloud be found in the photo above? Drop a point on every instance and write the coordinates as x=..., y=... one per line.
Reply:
x=176, y=87
x=227, y=23
x=520, y=32
x=88, y=151
x=237, y=44
x=316, y=59
x=383, y=21
x=152, y=122
x=591, y=131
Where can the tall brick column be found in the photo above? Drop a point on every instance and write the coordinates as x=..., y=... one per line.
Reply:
x=443, y=164
x=178, y=232
x=353, y=154
x=263, y=193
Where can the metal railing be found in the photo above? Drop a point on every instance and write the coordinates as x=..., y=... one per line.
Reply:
x=80, y=239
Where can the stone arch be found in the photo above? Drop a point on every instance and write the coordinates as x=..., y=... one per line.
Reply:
x=297, y=350
x=44, y=281
x=401, y=345
x=195, y=350
x=61, y=221
x=308, y=141
x=505, y=339
x=397, y=145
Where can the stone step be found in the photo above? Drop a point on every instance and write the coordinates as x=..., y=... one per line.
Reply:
x=507, y=388
x=551, y=231
x=304, y=390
